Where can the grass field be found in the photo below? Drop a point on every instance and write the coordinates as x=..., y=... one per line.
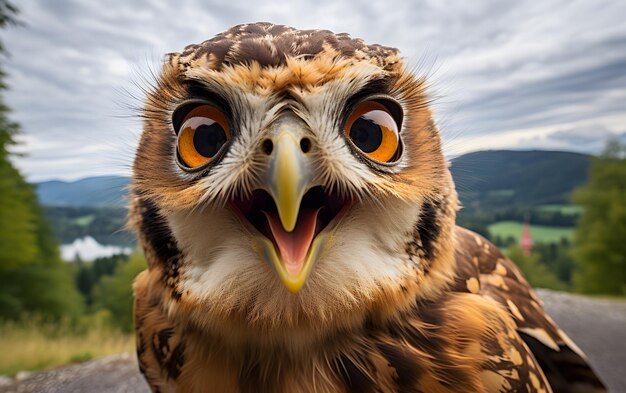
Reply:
x=564, y=209
x=35, y=346
x=540, y=234
x=85, y=220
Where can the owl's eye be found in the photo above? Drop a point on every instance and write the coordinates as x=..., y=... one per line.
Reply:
x=372, y=129
x=203, y=132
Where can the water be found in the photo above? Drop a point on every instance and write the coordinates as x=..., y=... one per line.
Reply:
x=88, y=249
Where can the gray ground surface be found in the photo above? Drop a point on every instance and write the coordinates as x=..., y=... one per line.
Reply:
x=113, y=374
x=597, y=325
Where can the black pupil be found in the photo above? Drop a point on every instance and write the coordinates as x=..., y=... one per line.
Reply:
x=366, y=135
x=208, y=139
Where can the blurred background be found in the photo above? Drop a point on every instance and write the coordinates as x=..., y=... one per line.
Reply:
x=530, y=98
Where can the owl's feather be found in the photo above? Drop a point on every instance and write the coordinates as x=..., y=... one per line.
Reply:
x=398, y=300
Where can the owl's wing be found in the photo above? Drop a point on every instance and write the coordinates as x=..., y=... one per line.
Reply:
x=484, y=270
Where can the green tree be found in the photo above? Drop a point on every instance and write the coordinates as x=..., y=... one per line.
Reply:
x=33, y=279
x=536, y=272
x=115, y=293
x=600, y=238
x=557, y=257
x=88, y=274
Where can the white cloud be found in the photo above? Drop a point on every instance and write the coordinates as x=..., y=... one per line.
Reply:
x=508, y=72
x=586, y=139
x=587, y=136
x=118, y=67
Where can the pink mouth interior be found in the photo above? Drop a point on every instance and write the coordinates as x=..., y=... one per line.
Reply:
x=317, y=209
x=294, y=246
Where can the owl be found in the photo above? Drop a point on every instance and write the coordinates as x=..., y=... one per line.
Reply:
x=298, y=218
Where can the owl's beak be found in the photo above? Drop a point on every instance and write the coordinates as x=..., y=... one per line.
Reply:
x=292, y=213
x=289, y=178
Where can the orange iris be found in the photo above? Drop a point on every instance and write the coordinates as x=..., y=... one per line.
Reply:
x=374, y=131
x=203, y=132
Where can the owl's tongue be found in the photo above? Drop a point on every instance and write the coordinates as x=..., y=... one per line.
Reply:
x=293, y=246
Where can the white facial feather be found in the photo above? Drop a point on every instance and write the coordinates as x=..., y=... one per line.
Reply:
x=223, y=270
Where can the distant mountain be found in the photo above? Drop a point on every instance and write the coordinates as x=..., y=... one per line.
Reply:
x=501, y=178
x=101, y=191
x=495, y=178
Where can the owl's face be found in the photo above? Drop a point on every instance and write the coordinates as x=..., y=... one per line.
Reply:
x=294, y=170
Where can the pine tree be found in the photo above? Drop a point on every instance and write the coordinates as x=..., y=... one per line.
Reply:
x=17, y=237
x=600, y=239
x=33, y=279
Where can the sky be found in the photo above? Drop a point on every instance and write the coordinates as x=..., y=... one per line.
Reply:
x=521, y=74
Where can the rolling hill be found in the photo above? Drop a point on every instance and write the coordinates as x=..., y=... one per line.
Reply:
x=503, y=178
x=100, y=191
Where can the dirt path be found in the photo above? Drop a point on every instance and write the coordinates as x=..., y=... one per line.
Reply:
x=598, y=326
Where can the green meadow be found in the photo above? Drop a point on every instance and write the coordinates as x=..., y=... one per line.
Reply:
x=539, y=233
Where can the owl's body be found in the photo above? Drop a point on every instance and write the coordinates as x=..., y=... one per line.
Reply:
x=297, y=216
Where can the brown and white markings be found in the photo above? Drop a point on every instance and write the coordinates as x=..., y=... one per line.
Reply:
x=297, y=215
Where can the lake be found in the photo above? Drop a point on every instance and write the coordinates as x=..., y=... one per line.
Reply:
x=88, y=249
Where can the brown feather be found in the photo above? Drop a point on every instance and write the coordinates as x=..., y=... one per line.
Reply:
x=483, y=269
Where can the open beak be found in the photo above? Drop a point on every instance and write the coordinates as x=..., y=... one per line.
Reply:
x=292, y=214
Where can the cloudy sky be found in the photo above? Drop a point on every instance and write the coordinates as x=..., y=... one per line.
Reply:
x=507, y=74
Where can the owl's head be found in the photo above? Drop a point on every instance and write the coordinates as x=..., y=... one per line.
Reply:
x=291, y=179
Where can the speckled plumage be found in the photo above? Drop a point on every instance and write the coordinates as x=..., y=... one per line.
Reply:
x=401, y=300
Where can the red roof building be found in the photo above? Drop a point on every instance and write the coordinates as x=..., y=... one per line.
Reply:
x=526, y=241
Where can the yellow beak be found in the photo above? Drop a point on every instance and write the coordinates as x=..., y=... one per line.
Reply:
x=288, y=180
x=288, y=177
